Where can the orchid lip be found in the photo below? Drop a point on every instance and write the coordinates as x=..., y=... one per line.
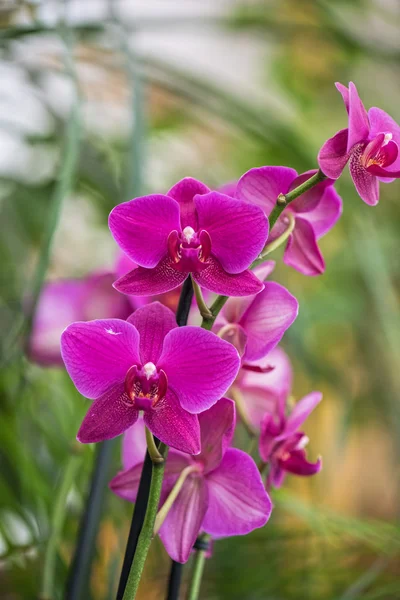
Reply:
x=145, y=386
x=189, y=250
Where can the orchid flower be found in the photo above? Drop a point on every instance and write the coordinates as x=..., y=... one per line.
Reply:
x=261, y=386
x=370, y=144
x=222, y=493
x=191, y=230
x=147, y=364
x=64, y=301
x=282, y=445
x=255, y=325
x=313, y=213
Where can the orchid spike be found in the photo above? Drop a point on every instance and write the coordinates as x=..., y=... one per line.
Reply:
x=147, y=364
x=191, y=230
x=370, y=144
x=315, y=212
x=222, y=495
x=282, y=445
x=256, y=325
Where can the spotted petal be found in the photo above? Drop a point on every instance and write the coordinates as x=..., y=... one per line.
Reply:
x=149, y=282
x=98, y=354
x=215, y=279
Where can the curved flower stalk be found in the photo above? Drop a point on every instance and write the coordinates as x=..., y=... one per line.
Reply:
x=255, y=325
x=370, y=144
x=314, y=212
x=222, y=493
x=282, y=445
x=147, y=364
x=191, y=230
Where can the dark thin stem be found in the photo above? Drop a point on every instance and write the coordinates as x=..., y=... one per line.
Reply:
x=137, y=523
x=76, y=588
x=174, y=583
x=139, y=512
x=185, y=302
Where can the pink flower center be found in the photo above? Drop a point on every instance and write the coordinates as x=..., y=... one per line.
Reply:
x=145, y=385
x=189, y=250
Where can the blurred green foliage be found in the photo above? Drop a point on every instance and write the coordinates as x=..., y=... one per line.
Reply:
x=337, y=536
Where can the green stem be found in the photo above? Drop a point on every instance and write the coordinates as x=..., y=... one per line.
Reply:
x=65, y=180
x=284, y=199
x=197, y=574
x=202, y=306
x=146, y=535
x=48, y=589
x=214, y=310
x=164, y=510
x=155, y=455
x=268, y=248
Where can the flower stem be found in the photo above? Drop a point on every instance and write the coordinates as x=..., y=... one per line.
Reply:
x=198, y=569
x=214, y=310
x=146, y=535
x=202, y=306
x=162, y=513
x=284, y=199
x=57, y=521
x=268, y=248
x=152, y=448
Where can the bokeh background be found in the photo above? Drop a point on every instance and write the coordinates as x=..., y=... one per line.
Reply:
x=100, y=102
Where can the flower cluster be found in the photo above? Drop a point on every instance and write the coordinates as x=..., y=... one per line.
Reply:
x=185, y=385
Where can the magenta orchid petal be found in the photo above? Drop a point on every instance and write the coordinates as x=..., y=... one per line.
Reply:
x=64, y=301
x=262, y=186
x=333, y=156
x=297, y=464
x=367, y=184
x=217, y=426
x=358, y=119
x=98, y=354
x=265, y=321
x=271, y=428
x=149, y=282
x=300, y=413
x=126, y=483
x=344, y=91
x=173, y=425
x=184, y=192
x=109, y=416
x=238, y=502
x=182, y=524
x=229, y=189
x=199, y=365
x=276, y=477
x=262, y=271
x=141, y=227
x=381, y=122
x=327, y=213
x=309, y=200
x=215, y=279
x=134, y=445
x=153, y=322
x=238, y=230
x=257, y=401
x=302, y=252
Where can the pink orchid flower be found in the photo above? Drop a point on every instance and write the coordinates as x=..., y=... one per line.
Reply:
x=255, y=325
x=370, y=144
x=282, y=445
x=223, y=494
x=191, y=230
x=314, y=212
x=263, y=385
x=147, y=364
x=64, y=301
